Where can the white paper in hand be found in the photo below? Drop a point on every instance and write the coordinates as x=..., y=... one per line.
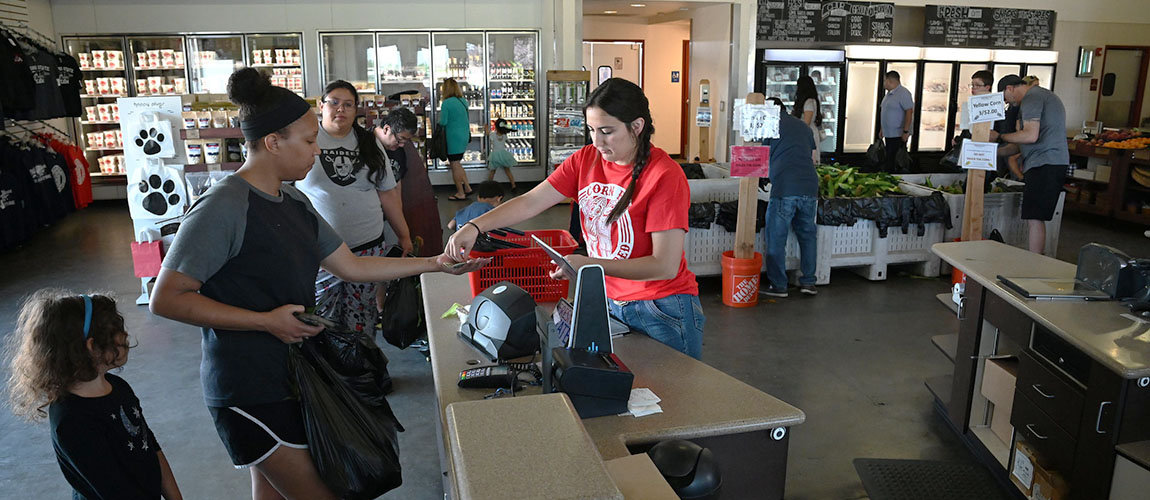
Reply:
x=759, y=121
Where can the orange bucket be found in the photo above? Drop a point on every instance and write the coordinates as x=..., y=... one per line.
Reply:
x=741, y=279
x=956, y=276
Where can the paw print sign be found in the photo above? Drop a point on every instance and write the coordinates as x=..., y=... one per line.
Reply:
x=157, y=193
x=154, y=139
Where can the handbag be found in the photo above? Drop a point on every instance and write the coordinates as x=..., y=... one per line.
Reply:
x=437, y=143
x=147, y=256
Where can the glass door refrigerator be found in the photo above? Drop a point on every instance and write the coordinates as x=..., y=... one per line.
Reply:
x=281, y=55
x=778, y=73
x=963, y=92
x=864, y=82
x=349, y=57
x=461, y=56
x=934, y=107
x=567, y=93
x=404, y=60
x=511, y=75
x=158, y=65
x=104, y=66
x=211, y=61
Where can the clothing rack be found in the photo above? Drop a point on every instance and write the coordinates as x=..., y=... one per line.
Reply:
x=43, y=127
x=22, y=28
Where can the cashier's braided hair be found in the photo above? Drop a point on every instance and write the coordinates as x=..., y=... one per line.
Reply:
x=625, y=102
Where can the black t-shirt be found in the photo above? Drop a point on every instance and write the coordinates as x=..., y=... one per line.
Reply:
x=257, y=252
x=1010, y=123
x=17, y=91
x=68, y=80
x=104, y=446
x=14, y=227
x=398, y=162
x=49, y=103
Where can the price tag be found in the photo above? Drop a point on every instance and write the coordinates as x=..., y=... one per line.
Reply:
x=759, y=121
x=987, y=108
x=703, y=117
x=750, y=161
x=979, y=155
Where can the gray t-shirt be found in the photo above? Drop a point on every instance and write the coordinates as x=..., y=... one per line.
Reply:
x=257, y=252
x=894, y=107
x=1050, y=149
x=339, y=187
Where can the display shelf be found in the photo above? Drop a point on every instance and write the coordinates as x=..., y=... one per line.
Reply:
x=207, y=167
x=947, y=343
x=1086, y=207
x=947, y=300
x=1087, y=181
x=211, y=133
x=103, y=149
x=161, y=95
x=510, y=81
x=398, y=82
x=995, y=446
x=104, y=70
x=783, y=83
x=276, y=65
x=940, y=387
x=97, y=96
x=527, y=160
x=165, y=68
x=524, y=99
x=98, y=123
x=101, y=174
x=1132, y=217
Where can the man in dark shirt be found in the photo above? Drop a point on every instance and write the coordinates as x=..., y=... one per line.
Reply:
x=793, y=204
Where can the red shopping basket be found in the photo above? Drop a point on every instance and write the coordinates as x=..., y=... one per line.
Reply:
x=527, y=268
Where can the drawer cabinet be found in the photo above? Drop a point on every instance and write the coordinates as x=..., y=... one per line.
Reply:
x=1055, y=396
x=1040, y=431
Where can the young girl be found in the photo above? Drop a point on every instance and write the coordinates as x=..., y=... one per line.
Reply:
x=61, y=351
x=499, y=156
x=633, y=202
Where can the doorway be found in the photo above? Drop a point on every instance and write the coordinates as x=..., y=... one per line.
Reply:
x=614, y=59
x=1123, y=83
x=684, y=125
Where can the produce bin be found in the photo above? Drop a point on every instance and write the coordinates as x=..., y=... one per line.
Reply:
x=1002, y=211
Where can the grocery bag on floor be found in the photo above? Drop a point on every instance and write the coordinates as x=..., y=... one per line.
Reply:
x=355, y=446
x=402, y=315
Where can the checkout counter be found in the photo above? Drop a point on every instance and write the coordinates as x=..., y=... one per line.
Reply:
x=747, y=430
x=1080, y=392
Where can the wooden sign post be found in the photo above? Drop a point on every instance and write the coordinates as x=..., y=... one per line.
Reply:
x=748, y=203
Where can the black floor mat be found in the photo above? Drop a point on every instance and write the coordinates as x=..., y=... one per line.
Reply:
x=886, y=479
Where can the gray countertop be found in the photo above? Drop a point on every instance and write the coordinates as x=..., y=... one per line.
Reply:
x=1138, y=452
x=1096, y=328
x=698, y=400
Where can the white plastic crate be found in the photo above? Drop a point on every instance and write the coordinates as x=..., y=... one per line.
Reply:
x=1002, y=211
x=859, y=247
x=704, y=247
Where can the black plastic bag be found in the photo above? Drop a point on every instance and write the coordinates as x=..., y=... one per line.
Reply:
x=354, y=445
x=437, y=143
x=886, y=212
x=727, y=215
x=876, y=155
x=836, y=212
x=358, y=361
x=693, y=170
x=928, y=209
x=701, y=215
x=402, y=315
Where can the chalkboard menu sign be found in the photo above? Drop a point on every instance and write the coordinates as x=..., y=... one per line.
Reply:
x=988, y=27
x=826, y=21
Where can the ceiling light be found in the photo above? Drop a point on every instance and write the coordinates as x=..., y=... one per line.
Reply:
x=610, y=12
x=638, y=5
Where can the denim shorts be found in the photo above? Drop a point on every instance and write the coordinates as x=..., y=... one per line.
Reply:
x=675, y=320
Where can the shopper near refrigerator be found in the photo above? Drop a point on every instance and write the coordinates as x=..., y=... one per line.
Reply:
x=806, y=101
x=1041, y=139
x=243, y=264
x=454, y=117
x=499, y=157
x=633, y=204
x=897, y=115
x=352, y=186
x=793, y=204
x=396, y=129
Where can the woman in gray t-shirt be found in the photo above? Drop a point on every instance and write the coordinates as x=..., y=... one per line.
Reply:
x=352, y=186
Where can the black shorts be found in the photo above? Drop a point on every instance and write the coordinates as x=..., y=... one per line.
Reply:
x=252, y=432
x=1043, y=187
x=458, y=157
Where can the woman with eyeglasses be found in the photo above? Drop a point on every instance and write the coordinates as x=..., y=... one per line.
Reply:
x=353, y=187
x=453, y=115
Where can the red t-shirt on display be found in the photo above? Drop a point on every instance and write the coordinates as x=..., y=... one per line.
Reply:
x=660, y=203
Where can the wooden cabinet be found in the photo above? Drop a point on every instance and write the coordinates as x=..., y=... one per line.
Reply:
x=1119, y=195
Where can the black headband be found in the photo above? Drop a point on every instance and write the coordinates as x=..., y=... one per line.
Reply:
x=286, y=113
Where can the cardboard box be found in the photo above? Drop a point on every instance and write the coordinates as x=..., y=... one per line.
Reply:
x=1048, y=485
x=998, y=378
x=1102, y=174
x=1080, y=173
x=1026, y=460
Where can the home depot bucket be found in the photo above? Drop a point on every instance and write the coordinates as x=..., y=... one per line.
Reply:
x=741, y=279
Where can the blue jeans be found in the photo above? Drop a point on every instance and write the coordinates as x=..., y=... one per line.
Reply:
x=784, y=214
x=675, y=320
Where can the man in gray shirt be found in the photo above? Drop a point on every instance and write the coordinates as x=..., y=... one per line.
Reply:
x=1041, y=139
x=896, y=117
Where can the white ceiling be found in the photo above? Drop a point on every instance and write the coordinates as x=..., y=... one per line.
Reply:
x=624, y=8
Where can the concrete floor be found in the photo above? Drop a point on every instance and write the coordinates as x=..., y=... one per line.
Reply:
x=853, y=358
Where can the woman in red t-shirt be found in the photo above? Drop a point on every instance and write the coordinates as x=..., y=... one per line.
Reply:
x=633, y=201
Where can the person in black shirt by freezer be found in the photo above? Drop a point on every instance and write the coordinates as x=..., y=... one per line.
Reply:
x=62, y=349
